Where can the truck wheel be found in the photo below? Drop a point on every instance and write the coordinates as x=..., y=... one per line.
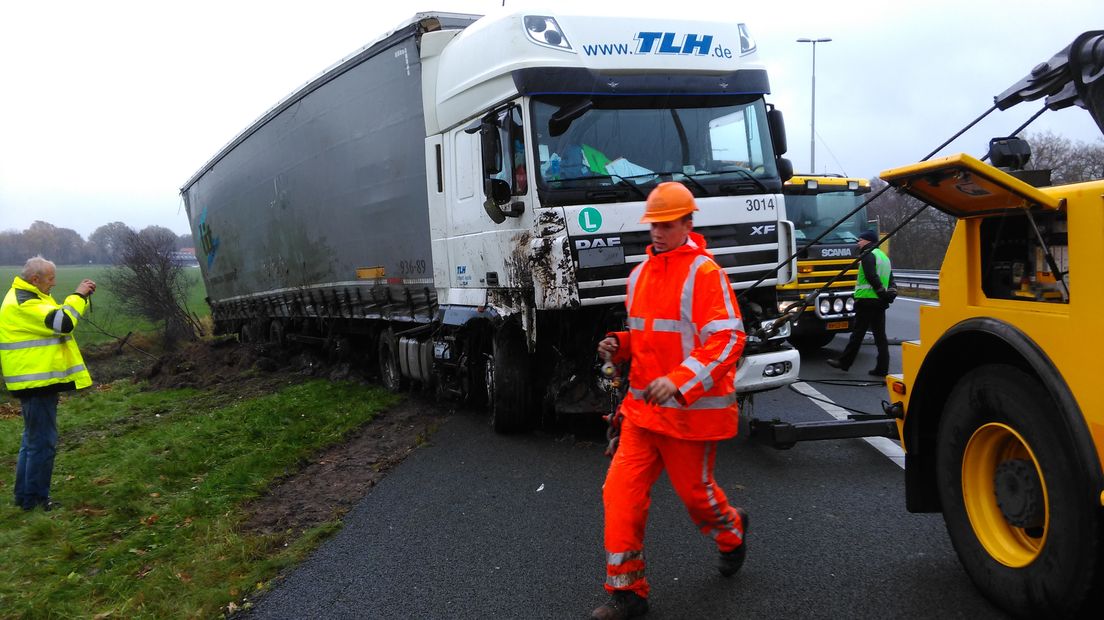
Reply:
x=508, y=377
x=811, y=342
x=390, y=374
x=1018, y=507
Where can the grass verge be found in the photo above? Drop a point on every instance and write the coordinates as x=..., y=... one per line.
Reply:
x=152, y=485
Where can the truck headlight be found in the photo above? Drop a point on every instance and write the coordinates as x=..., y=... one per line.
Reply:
x=544, y=30
x=850, y=304
x=825, y=306
x=837, y=305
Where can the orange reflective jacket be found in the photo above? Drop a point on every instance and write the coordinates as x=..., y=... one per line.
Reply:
x=684, y=324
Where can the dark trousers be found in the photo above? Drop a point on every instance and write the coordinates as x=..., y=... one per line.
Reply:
x=869, y=315
x=35, y=465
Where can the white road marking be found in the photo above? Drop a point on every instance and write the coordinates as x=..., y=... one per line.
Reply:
x=891, y=449
x=923, y=302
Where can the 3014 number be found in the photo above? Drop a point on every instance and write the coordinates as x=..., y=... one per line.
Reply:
x=759, y=204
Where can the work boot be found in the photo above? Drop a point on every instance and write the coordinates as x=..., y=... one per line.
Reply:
x=622, y=604
x=731, y=561
x=835, y=363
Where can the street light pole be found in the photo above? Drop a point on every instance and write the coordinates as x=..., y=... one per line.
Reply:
x=812, y=125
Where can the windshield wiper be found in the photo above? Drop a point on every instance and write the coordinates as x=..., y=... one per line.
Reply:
x=747, y=176
x=610, y=177
x=701, y=188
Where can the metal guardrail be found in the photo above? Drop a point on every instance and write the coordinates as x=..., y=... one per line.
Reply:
x=916, y=278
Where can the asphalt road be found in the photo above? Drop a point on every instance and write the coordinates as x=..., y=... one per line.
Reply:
x=476, y=525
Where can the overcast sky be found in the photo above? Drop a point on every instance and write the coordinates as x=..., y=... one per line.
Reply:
x=108, y=107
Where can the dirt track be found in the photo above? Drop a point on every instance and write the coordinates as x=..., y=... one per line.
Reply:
x=329, y=483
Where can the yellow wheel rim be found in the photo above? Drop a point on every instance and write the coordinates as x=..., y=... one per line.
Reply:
x=991, y=445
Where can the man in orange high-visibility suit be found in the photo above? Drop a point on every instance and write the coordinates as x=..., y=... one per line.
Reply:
x=684, y=337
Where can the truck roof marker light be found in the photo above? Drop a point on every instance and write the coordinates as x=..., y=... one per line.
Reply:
x=544, y=30
x=812, y=184
x=853, y=185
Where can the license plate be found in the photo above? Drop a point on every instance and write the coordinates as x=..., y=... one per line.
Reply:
x=837, y=325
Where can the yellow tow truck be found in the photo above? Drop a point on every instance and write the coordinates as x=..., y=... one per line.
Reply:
x=1000, y=406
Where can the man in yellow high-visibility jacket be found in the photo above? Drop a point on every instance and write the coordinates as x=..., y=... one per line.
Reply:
x=39, y=359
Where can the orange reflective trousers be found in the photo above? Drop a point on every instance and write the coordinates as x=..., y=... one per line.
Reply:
x=627, y=494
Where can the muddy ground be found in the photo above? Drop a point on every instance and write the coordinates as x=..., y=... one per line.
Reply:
x=327, y=484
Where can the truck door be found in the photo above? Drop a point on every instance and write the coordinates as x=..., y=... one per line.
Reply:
x=487, y=249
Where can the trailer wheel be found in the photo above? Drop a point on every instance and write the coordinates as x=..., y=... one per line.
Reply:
x=277, y=333
x=508, y=378
x=390, y=374
x=811, y=342
x=1018, y=507
x=247, y=332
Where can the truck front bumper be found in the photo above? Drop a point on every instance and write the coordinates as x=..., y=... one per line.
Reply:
x=766, y=371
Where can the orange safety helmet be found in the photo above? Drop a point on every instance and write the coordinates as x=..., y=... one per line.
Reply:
x=668, y=202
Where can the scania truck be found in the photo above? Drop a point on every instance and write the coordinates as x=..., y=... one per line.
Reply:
x=815, y=204
x=460, y=199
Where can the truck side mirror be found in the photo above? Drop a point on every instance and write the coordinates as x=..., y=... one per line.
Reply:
x=498, y=193
x=785, y=168
x=777, y=131
x=492, y=147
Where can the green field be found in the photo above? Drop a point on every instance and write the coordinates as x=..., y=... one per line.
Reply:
x=153, y=487
x=105, y=312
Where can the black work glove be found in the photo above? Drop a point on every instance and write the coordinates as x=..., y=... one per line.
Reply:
x=885, y=299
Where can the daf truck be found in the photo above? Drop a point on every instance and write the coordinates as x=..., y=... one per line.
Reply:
x=460, y=200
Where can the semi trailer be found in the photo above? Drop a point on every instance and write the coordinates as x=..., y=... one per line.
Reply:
x=460, y=200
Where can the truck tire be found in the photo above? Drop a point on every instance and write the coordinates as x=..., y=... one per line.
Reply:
x=390, y=374
x=811, y=342
x=508, y=378
x=1018, y=506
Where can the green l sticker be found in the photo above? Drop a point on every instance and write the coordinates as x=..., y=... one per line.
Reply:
x=590, y=219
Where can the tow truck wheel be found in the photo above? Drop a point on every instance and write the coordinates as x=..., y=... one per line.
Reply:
x=390, y=374
x=1018, y=508
x=508, y=378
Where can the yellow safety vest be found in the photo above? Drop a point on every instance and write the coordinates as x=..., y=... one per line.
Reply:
x=34, y=354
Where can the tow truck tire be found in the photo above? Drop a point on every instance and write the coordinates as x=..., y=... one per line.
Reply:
x=390, y=374
x=1019, y=508
x=508, y=377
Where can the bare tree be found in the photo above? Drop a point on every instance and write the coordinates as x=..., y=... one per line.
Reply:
x=152, y=284
x=922, y=243
x=1068, y=161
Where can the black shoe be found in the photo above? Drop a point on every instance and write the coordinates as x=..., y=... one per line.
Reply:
x=877, y=373
x=47, y=505
x=622, y=604
x=731, y=561
x=835, y=363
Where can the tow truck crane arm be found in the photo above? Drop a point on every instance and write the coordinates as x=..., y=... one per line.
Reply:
x=1073, y=76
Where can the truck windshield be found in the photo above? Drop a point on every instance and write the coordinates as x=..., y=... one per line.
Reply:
x=616, y=149
x=814, y=214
